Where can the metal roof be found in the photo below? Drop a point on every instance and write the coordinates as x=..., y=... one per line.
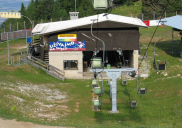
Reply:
x=46, y=28
x=174, y=21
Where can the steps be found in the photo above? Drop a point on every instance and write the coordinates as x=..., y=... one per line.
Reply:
x=46, y=56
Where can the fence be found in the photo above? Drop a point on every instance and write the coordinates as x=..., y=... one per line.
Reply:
x=151, y=16
x=51, y=70
x=16, y=34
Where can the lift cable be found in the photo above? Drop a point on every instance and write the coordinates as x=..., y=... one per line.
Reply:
x=154, y=32
x=154, y=64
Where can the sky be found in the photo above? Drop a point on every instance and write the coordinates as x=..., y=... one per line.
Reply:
x=9, y=5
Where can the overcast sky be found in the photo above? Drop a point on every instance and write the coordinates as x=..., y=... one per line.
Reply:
x=9, y=5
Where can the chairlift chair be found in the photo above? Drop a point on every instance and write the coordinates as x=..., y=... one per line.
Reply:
x=133, y=103
x=161, y=65
x=97, y=91
x=94, y=82
x=100, y=5
x=96, y=103
x=97, y=63
x=124, y=82
x=142, y=91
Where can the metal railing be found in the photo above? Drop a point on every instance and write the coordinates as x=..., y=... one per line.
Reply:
x=51, y=70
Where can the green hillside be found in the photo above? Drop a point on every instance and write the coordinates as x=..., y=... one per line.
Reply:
x=29, y=94
x=135, y=9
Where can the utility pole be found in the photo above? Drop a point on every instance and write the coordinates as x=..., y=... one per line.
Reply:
x=75, y=5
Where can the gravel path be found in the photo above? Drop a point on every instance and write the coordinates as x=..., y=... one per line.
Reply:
x=16, y=124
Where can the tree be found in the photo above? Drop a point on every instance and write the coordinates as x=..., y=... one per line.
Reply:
x=64, y=15
x=30, y=10
x=149, y=6
x=23, y=12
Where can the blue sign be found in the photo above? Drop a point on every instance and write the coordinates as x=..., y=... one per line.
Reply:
x=29, y=40
x=67, y=46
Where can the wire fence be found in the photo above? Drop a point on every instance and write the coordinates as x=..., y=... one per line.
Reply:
x=16, y=26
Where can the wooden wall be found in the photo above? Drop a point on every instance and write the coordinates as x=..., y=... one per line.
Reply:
x=117, y=36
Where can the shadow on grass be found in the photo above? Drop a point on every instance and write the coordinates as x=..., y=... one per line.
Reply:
x=129, y=115
x=125, y=115
x=171, y=48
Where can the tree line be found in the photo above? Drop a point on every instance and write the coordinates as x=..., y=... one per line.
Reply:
x=56, y=10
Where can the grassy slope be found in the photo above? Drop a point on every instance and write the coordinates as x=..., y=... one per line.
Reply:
x=161, y=107
x=135, y=10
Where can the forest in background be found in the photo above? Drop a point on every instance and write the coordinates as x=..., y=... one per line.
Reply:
x=56, y=10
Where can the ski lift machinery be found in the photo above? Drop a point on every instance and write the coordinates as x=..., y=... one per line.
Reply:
x=98, y=64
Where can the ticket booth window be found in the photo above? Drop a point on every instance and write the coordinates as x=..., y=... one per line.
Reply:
x=70, y=65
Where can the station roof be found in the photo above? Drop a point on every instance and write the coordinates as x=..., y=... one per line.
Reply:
x=52, y=27
x=174, y=21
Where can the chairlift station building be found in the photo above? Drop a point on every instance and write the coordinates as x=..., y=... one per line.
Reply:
x=120, y=34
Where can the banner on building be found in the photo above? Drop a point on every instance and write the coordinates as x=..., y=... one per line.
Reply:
x=67, y=46
x=67, y=37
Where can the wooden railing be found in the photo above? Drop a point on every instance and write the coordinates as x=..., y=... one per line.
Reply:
x=51, y=70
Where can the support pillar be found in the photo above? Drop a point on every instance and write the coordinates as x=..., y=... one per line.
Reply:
x=114, y=95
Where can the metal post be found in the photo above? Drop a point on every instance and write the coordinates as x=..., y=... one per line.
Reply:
x=114, y=96
x=165, y=14
x=176, y=12
x=8, y=47
x=17, y=26
x=26, y=42
x=154, y=15
x=24, y=25
x=142, y=16
x=4, y=28
x=60, y=19
x=75, y=5
x=51, y=19
x=13, y=60
x=10, y=27
x=32, y=24
x=131, y=15
x=181, y=44
x=110, y=90
x=19, y=59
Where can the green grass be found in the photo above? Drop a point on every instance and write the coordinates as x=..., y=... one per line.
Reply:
x=159, y=108
x=124, y=10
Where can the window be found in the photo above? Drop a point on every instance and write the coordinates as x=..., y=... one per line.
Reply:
x=70, y=64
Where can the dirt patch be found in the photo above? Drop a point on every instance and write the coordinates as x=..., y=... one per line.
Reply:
x=180, y=93
x=47, y=104
x=152, y=90
x=17, y=124
x=77, y=104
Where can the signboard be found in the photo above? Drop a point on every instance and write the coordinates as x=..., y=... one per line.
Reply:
x=67, y=37
x=10, y=15
x=67, y=46
x=29, y=40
